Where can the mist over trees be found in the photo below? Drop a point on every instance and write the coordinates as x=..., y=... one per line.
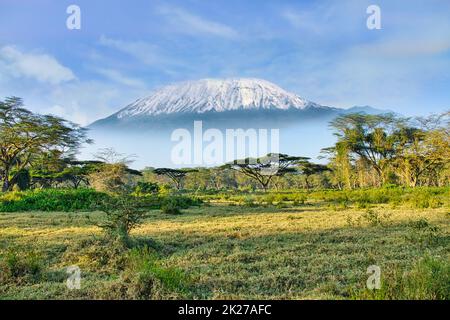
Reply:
x=39, y=151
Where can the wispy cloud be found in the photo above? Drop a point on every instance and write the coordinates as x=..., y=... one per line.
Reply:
x=143, y=51
x=401, y=47
x=185, y=22
x=301, y=20
x=41, y=67
x=116, y=76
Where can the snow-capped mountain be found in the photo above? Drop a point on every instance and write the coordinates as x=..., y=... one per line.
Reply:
x=214, y=95
x=145, y=127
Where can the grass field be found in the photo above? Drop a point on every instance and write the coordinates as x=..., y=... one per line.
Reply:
x=220, y=251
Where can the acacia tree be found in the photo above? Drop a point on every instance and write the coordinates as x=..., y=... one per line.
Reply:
x=24, y=136
x=176, y=175
x=263, y=169
x=308, y=168
x=374, y=138
x=340, y=164
x=427, y=153
x=112, y=173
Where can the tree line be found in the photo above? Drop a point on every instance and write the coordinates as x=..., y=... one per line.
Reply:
x=39, y=151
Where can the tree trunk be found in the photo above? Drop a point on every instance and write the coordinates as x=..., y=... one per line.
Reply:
x=307, y=182
x=5, y=185
x=265, y=185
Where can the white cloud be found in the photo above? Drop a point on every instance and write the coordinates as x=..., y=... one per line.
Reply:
x=186, y=22
x=85, y=102
x=41, y=67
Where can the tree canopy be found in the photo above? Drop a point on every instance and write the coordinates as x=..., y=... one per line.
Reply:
x=263, y=169
x=26, y=136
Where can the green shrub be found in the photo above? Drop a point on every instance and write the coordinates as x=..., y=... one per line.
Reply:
x=174, y=204
x=123, y=213
x=144, y=188
x=51, y=200
x=269, y=198
x=70, y=200
x=171, y=206
x=299, y=198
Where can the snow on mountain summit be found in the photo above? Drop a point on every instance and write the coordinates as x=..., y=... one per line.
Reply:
x=214, y=95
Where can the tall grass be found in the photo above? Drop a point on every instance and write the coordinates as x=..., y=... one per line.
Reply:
x=429, y=279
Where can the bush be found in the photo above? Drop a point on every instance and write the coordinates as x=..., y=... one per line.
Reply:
x=299, y=199
x=248, y=202
x=123, y=213
x=269, y=198
x=375, y=218
x=144, y=188
x=51, y=200
x=171, y=206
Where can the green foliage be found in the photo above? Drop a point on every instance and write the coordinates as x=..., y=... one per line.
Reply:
x=123, y=213
x=145, y=261
x=262, y=170
x=143, y=188
x=22, y=180
x=174, y=204
x=418, y=197
x=171, y=206
x=51, y=200
x=249, y=202
x=26, y=136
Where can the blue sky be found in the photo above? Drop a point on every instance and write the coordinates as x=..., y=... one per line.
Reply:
x=321, y=50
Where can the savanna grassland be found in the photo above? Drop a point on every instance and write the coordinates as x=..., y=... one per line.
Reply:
x=269, y=246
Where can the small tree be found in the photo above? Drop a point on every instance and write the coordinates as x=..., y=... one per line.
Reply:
x=263, y=169
x=123, y=213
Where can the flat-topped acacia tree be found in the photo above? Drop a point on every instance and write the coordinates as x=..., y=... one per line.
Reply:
x=309, y=168
x=263, y=169
x=176, y=175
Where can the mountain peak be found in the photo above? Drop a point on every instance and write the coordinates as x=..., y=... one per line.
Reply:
x=214, y=95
